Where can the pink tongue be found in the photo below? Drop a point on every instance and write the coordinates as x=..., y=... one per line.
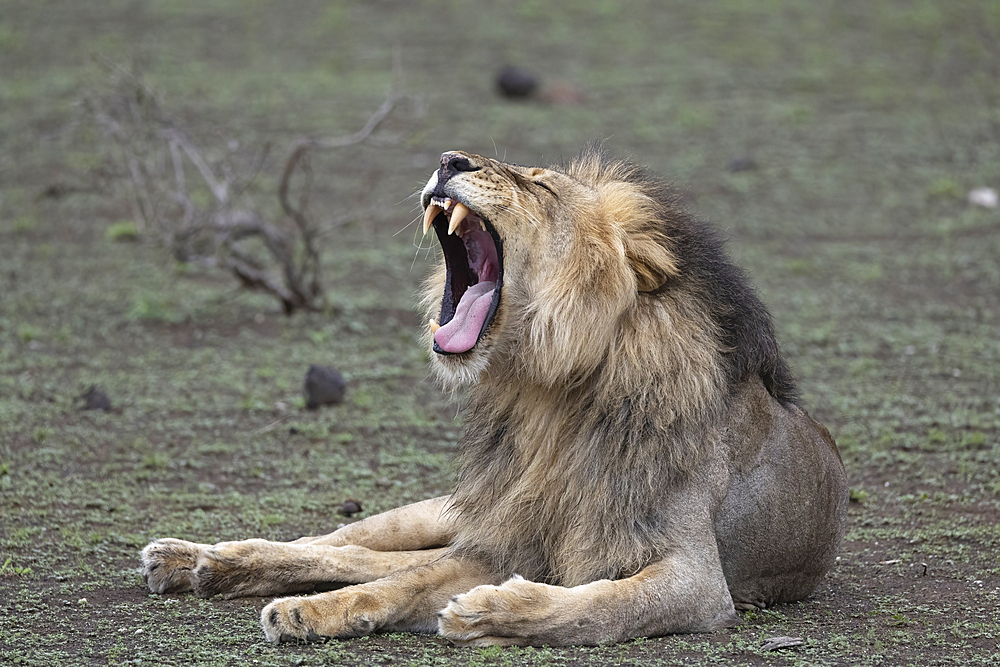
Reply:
x=462, y=332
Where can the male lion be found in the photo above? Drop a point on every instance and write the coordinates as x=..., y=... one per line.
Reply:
x=634, y=461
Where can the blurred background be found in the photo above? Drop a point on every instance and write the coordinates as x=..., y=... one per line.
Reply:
x=200, y=200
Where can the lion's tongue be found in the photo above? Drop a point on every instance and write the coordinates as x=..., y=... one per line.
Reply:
x=462, y=332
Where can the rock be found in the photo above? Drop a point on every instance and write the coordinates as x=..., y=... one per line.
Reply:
x=323, y=386
x=985, y=197
x=95, y=399
x=349, y=508
x=742, y=164
x=516, y=83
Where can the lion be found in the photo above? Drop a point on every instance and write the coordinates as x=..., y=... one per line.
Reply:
x=635, y=460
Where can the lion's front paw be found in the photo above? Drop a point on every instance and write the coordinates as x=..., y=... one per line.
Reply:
x=494, y=614
x=339, y=614
x=288, y=620
x=169, y=565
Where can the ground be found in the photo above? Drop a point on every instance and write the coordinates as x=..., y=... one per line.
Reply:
x=833, y=142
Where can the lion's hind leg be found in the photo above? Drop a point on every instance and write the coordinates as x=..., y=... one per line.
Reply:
x=376, y=547
x=260, y=567
x=169, y=565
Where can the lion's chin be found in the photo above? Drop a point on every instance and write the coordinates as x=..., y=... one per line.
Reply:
x=457, y=370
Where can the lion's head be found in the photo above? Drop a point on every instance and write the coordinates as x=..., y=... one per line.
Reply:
x=531, y=255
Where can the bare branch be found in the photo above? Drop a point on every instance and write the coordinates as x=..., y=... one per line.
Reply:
x=303, y=145
x=220, y=189
x=153, y=148
x=143, y=202
x=373, y=122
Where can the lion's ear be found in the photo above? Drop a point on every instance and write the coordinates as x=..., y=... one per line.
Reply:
x=652, y=262
x=635, y=219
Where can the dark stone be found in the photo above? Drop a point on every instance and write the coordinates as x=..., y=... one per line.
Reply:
x=349, y=508
x=742, y=164
x=95, y=399
x=516, y=83
x=324, y=386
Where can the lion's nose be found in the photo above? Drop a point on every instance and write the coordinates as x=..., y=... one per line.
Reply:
x=452, y=163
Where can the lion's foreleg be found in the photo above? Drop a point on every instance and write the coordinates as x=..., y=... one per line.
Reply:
x=260, y=567
x=406, y=601
x=671, y=596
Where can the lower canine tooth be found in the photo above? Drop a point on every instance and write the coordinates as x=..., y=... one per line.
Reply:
x=434, y=326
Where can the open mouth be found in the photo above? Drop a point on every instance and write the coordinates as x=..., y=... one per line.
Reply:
x=473, y=257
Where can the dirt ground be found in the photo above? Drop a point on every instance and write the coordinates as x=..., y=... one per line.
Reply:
x=835, y=144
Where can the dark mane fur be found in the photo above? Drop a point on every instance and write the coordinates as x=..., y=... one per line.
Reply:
x=746, y=324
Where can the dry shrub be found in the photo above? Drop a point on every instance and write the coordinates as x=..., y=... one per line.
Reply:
x=203, y=202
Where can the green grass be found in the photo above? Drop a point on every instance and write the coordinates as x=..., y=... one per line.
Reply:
x=868, y=123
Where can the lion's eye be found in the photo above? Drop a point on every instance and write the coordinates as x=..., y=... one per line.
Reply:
x=545, y=187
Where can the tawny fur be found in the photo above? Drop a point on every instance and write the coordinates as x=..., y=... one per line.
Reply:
x=634, y=460
x=604, y=394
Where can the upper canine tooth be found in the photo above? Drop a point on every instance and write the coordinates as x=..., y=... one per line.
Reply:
x=457, y=216
x=430, y=213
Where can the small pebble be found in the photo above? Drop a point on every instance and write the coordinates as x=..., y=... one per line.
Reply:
x=742, y=164
x=516, y=83
x=95, y=399
x=323, y=386
x=985, y=197
x=349, y=508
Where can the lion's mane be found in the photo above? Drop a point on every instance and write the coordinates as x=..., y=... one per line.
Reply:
x=615, y=370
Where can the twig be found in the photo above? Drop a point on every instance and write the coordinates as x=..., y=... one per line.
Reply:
x=220, y=190
x=303, y=145
x=373, y=122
